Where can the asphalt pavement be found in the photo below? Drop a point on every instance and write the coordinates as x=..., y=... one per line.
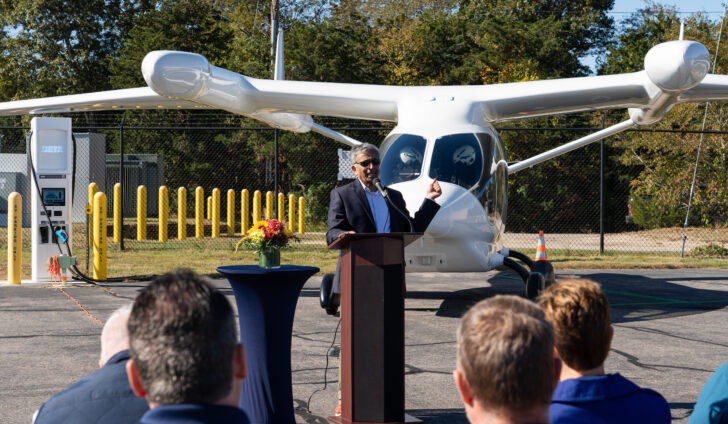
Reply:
x=670, y=335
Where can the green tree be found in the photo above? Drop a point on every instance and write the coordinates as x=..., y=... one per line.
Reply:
x=188, y=25
x=527, y=40
x=666, y=161
x=53, y=47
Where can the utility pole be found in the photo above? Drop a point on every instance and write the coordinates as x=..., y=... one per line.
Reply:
x=273, y=43
x=273, y=31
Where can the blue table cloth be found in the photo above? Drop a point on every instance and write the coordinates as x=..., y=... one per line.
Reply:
x=266, y=300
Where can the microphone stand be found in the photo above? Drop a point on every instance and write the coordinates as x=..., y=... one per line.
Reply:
x=384, y=194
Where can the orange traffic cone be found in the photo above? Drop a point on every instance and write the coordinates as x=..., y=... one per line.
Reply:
x=541, y=249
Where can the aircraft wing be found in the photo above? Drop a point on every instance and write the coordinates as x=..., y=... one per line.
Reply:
x=192, y=77
x=671, y=69
x=538, y=98
x=130, y=98
x=137, y=98
x=713, y=87
x=361, y=101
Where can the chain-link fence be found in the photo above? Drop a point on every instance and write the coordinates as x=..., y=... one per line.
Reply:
x=221, y=151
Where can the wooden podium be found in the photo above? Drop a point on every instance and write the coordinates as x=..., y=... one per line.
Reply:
x=372, y=327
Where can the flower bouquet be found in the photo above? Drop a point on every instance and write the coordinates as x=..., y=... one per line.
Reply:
x=267, y=237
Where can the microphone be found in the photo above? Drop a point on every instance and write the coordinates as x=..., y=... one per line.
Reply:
x=384, y=194
x=381, y=189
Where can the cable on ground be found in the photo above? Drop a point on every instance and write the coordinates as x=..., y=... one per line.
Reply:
x=326, y=368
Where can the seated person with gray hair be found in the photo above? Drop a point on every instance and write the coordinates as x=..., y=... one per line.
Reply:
x=185, y=356
x=579, y=312
x=506, y=368
x=104, y=396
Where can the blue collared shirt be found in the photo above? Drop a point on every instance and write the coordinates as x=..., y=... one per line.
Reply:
x=604, y=399
x=379, y=209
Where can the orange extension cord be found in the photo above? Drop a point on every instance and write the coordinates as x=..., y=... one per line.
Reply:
x=55, y=270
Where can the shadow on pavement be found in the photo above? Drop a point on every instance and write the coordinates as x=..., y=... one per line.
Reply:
x=437, y=416
x=632, y=297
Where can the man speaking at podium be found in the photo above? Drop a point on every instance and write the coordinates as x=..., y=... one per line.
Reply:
x=360, y=207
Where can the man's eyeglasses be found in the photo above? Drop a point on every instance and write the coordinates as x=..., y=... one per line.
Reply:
x=366, y=163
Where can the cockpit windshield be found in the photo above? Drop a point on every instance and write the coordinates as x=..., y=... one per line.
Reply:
x=459, y=159
x=403, y=159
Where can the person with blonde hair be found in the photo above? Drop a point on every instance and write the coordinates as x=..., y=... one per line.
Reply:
x=579, y=312
x=506, y=369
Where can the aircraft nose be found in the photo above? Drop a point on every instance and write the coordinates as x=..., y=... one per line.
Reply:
x=176, y=74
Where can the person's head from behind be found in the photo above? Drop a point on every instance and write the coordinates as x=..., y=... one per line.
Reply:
x=183, y=343
x=579, y=312
x=114, y=335
x=505, y=362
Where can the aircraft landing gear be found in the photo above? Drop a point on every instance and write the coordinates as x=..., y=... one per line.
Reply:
x=541, y=275
x=328, y=300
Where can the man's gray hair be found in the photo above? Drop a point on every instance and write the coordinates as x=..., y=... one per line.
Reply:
x=114, y=335
x=182, y=336
x=364, y=147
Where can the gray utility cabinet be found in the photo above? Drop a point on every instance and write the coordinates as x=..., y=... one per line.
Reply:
x=139, y=169
x=13, y=182
x=15, y=175
x=90, y=155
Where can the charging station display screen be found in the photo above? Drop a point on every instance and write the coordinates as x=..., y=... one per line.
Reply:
x=54, y=196
x=52, y=149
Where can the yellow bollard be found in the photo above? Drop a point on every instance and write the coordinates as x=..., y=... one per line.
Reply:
x=181, y=213
x=216, y=212
x=244, y=211
x=93, y=188
x=199, y=212
x=281, y=207
x=291, y=212
x=256, y=206
x=100, y=235
x=117, y=213
x=209, y=208
x=15, y=223
x=141, y=213
x=269, y=205
x=163, y=214
x=231, y=212
x=301, y=215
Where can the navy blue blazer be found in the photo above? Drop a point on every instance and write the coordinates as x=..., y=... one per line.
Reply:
x=349, y=211
x=195, y=414
x=104, y=396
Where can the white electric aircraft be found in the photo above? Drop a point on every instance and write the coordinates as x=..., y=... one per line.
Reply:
x=443, y=132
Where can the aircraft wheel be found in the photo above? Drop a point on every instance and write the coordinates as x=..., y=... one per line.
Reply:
x=547, y=270
x=328, y=300
x=534, y=284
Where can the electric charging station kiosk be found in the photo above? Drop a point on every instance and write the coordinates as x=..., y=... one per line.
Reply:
x=50, y=149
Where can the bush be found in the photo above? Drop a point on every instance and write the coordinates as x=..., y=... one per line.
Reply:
x=649, y=215
x=317, y=202
x=711, y=250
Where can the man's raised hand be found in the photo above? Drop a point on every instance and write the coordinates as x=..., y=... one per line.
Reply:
x=433, y=190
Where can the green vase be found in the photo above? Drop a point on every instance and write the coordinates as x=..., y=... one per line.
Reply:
x=270, y=258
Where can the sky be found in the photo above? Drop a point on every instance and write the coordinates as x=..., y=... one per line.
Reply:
x=624, y=8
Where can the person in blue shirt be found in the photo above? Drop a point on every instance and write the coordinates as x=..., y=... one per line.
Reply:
x=104, y=396
x=185, y=356
x=712, y=405
x=579, y=312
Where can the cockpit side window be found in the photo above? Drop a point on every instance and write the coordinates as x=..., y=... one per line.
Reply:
x=458, y=159
x=403, y=159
